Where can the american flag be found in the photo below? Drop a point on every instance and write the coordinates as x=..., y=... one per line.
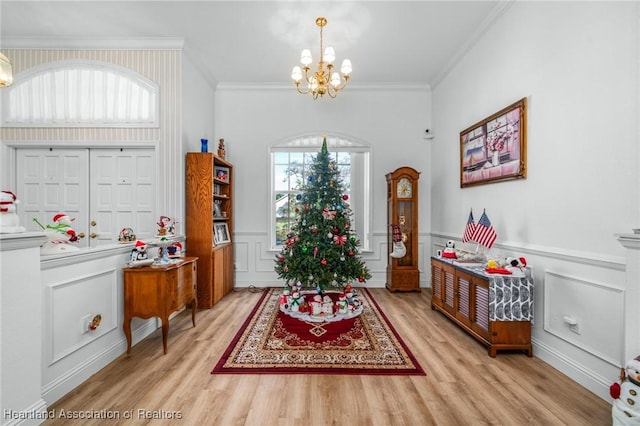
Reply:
x=469, y=229
x=484, y=233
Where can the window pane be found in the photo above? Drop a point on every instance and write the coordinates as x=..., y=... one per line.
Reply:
x=291, y=170
x=281, y=178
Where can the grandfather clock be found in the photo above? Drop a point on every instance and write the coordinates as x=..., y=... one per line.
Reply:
x=402, y=210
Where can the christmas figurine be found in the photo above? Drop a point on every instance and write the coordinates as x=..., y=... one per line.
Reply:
x=626, y=395
x=9, y=220
x=60, y=235
x=449, y=251
x=139, y=252
x=399, y=249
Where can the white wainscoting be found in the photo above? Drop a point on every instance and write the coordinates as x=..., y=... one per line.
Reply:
x=254, y=260
x=68, y=305
x=589, y=287
x=599, y=329
x=74, y=287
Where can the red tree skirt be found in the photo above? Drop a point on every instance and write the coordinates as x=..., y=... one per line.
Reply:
x=271, y=342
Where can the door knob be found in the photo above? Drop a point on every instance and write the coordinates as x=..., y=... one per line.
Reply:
x=93, y=234
x=81, y=235
x=93, y=223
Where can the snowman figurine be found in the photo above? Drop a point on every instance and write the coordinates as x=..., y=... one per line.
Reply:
x=449, y=250
x=9, y=220
x=626, y=395
x=60, y=235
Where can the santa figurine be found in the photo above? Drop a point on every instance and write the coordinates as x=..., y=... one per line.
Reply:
x=9, y=220
x=626, y=395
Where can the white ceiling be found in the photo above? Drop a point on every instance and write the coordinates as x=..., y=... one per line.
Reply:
x=258, y=42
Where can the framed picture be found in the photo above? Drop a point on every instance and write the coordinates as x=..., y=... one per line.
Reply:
x=221, y=233
x=495, y=149
x=217, y=209
x=221, y=173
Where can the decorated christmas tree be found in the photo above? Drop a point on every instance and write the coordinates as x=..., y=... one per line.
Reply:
x=321, y=251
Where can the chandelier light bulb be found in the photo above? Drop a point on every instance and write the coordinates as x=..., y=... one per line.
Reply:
x=305, y=57
x=296, y=74
x=329, y=55
x=346, y=67
x=335, y=79
x=6, y=71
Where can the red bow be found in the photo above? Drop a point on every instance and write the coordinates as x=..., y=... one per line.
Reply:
x=340, y=239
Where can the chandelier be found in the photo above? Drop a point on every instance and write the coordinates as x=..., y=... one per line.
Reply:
x=6, y=71
x=324, y=81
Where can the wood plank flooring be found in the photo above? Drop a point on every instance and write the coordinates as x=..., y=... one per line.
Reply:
x=463, y=386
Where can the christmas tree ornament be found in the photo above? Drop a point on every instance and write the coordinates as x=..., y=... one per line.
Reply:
x=345, y=197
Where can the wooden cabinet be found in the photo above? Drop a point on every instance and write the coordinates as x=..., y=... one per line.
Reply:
x=402, y=209
x=158, y=292
x=469, y=299
x=209, y=224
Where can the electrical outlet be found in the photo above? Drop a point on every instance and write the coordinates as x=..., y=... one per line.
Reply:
x=575, y=328
x=85, y=321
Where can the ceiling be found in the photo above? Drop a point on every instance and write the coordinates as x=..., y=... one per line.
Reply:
x=258, y=42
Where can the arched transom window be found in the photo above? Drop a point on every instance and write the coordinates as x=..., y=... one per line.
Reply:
x=81, y=94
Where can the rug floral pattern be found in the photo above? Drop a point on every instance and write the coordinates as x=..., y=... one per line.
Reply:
x=272, y=342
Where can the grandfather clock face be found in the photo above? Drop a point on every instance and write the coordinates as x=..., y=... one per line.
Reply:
x=404, y=188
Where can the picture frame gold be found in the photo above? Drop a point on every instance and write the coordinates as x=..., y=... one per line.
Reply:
x=495, y=149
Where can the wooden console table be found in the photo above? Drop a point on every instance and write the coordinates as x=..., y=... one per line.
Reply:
x=154, y=291
x=495, y=309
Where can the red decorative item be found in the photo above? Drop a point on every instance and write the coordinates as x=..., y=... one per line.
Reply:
x=361, y=279
x=345, y=197
x=351, y=253
x=614, y=390
x=323, y=261
x=281, y=259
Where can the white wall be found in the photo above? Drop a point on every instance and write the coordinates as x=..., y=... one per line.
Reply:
x=577, y=63
x=392, y=120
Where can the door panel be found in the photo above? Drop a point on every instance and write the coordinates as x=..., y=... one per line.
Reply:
x=122, y=193
x=52, y=181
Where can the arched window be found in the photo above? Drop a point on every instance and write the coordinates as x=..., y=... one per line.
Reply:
x=80, y=94
x=290, y=162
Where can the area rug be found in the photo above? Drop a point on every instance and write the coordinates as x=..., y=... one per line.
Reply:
x=272, y=342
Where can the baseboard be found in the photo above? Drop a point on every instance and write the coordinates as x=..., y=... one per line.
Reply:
x=588, y=379
x=35, y=414
x=63, y=384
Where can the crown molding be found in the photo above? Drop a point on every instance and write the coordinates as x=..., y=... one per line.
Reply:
x=368, y=87
x=475, y=37
x=90, y=43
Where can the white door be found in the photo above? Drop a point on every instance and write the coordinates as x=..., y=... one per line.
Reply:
x=51, y=181
x=122, y=194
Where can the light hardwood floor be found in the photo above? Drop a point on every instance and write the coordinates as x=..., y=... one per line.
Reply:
x=463, y=386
